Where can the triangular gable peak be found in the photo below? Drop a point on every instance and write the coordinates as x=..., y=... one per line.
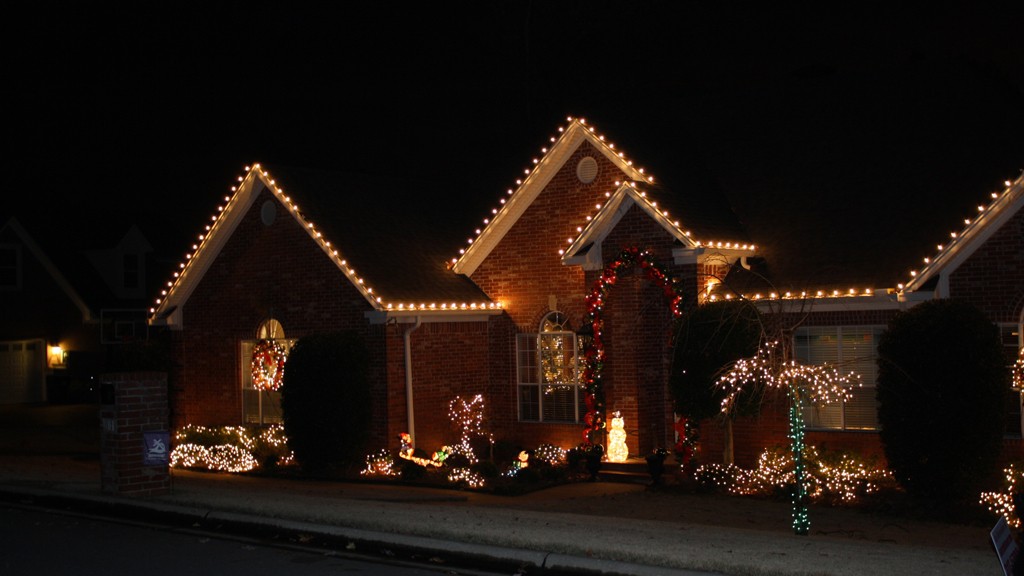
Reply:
x=585, y=249
x=963, y=244
x=534, y=182
x=212, y=240
x=40, y=255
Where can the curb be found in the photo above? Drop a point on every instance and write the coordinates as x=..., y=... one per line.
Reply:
x=350, y=541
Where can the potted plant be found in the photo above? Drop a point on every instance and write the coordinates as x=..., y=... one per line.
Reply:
x=656, y=465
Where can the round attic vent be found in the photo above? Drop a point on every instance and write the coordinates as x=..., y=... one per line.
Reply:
x=268, y=212
x=586, y=170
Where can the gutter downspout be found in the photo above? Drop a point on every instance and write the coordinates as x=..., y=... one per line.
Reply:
x=410, y=414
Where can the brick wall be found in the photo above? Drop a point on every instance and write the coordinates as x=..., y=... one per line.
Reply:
x=751, y=435
x=133, y=404
x=638, y=333
x=449, y=359
x=526, y=271
x=262, y=272
x=993, y=277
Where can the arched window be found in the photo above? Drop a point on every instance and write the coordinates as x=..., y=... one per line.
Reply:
x=549, y=365
x=261, y=403
x=270, y=329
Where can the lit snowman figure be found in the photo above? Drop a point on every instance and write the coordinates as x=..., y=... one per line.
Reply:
x=617, y=451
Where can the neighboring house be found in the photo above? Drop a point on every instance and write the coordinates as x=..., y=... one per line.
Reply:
x=501, y=313
x=64, y=308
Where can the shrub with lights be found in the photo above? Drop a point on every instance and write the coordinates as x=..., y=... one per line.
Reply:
x=458, y=465
x=1005, y=503
x=834, y=477
x=230, y=448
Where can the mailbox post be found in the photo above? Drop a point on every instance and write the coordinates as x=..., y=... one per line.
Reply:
x=134, y=440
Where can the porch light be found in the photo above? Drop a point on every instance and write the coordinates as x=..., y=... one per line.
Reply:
x=55, y=357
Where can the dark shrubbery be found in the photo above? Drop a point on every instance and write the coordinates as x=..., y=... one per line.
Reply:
x=942, y=389
x=325, y=400
x=710, y=338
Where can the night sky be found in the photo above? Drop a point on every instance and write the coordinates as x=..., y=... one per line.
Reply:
x=143, y=111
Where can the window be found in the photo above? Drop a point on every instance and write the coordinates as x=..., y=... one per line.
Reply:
x=10, y=267
x=130, y=270
x=848, y=348
x=1010, y=335
x=548, y=365
x=261, y=406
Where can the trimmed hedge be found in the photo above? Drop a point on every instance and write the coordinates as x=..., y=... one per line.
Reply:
x=942, y=390
x=325, y=400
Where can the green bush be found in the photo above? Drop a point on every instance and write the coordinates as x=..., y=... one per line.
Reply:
x=325, y=400
x=942, y=389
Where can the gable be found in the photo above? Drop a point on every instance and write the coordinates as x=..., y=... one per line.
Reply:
x=960, y=247
x=586, y=249
x=25, y=247
x=555, y=160
x=218, y=232
x=396, y=272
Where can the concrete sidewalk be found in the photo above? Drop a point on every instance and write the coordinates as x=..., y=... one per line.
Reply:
x=462, y=528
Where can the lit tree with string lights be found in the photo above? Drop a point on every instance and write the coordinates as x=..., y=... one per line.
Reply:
x=805, y=385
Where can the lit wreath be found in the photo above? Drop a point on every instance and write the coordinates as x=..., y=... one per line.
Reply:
x=268, y=358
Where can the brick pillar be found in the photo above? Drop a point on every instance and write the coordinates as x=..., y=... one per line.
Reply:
x=134, y=441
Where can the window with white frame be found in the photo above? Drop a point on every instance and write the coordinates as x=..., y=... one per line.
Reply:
x=848, y=348
x=548, y=367
x=1010, y=334
x=262, y=406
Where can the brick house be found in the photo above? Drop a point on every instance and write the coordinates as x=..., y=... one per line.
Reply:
x=502, y=313
x=67, y=311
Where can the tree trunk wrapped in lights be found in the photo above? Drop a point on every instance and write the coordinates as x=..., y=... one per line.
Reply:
x=804, y=385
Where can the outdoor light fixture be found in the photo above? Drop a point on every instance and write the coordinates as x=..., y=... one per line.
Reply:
x=55, y=357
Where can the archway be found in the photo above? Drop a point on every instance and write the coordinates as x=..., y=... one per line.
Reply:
x=594, y=356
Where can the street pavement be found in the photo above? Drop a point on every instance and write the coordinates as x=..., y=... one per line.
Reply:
x=462, y=529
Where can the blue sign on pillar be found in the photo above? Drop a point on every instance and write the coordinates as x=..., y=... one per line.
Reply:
x=156, y=451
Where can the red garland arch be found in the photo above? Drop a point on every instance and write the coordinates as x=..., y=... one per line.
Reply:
x=594, y=355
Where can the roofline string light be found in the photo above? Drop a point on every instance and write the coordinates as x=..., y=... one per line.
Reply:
x=802, y=295
x=528, y=173
x=359, y=282
x=653, y=205
x=942, y=249
x=957, y=237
